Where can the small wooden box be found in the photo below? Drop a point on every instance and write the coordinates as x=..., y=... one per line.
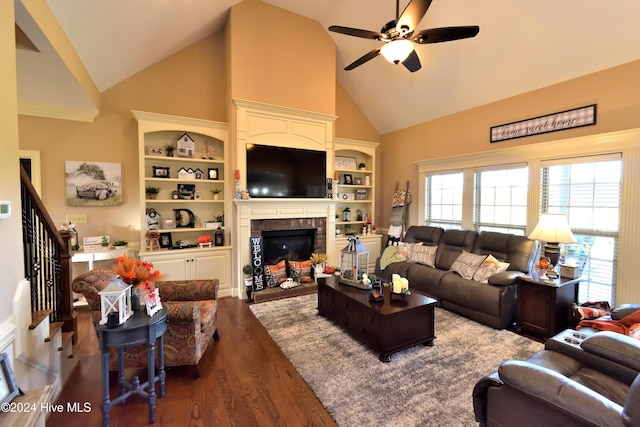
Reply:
x=569, y=272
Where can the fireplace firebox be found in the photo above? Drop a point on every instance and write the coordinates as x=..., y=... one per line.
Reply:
x=292, y=245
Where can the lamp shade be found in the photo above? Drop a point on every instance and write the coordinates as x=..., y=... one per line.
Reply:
x=397, y=50
x=553, y=228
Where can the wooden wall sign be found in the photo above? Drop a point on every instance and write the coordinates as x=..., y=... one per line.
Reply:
x=257, y=263
x=578, y=117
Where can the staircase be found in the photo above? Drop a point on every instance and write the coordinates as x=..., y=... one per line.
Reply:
x=46, y=334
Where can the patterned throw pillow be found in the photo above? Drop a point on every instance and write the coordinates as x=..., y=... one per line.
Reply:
x=489, y=267
x=467, y=263
x=423, y=254
x=275, y=274
x=304, y=268
x=404, y=250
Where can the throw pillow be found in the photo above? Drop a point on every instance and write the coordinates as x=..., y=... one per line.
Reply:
x=587, y=313
x=304, y=268
x=467, y=263
x=389, y=256
x=404, y=250
x=275, y=274
x=490, y=266
x=423, y=254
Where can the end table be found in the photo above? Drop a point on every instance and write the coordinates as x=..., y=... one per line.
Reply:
x=138, y=329
x=544, y=305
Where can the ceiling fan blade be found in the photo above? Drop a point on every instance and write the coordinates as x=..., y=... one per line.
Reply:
x=412, y=63
x=365, y=34
x=445, y=34
x=412, y=15
x=364, y=58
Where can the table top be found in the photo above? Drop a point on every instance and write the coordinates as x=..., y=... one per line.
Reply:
x=390, y=305
x=534, y=278
x=138, y=329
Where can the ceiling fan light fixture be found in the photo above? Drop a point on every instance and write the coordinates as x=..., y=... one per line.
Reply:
x=396, y=51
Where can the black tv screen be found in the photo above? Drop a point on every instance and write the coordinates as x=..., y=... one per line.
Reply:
x=286, y=172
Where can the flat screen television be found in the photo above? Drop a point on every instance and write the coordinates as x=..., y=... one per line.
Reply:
x=286, y=172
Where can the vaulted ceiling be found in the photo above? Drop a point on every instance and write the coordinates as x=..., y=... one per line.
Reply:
x=522, y=46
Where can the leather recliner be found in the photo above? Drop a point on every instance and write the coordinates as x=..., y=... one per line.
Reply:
x=579, y=379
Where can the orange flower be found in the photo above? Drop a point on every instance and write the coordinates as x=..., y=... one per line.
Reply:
x=134, y=271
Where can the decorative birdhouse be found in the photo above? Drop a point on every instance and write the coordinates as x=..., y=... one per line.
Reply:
x=354, y=261
x=115, y=302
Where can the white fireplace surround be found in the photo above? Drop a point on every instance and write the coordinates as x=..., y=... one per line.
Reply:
x=265, y=124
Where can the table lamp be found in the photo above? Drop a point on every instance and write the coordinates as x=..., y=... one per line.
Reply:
x=553, y=229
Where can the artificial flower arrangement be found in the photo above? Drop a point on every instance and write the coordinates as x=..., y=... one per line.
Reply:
x=140, y=275
x=317, y=258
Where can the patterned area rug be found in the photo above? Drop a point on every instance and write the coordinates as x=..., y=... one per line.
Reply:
x=420, y=386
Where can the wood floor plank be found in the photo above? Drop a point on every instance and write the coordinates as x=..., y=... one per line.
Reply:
x=246, y=381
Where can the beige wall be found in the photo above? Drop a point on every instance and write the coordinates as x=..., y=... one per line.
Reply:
x=11, y=270
x=281, y=58
x=616, y=91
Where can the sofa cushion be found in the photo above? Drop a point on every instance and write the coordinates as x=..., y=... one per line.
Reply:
x=424, y=254
x=467, y=263
x=424, y=234
x=519, y=251
x=489, y=267
x=451, y=244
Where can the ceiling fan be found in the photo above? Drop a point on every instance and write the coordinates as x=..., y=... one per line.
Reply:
x=399, y=36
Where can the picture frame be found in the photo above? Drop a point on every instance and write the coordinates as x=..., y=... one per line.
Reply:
x=344, y=162
x=165, y=241
x=186, y=191
x=213, y=173
x=361, y=194
x=8, y=387
x=348, y=179
x=153, y=150
x=152, y=302
x=161, y=172
x=357, y=181
x=197, y=196
x=169, y=224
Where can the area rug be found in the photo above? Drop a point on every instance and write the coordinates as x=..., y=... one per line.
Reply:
x=420, y=386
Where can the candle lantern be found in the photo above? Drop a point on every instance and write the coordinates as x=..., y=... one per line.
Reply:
x=219, y=237
x=346, y=214
x=354, y=261
x=115, y=300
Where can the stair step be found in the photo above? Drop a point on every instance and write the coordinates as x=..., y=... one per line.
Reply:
x=53, y=330
x=38, y=317
x=66, y=338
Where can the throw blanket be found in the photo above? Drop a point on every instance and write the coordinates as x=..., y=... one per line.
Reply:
x=623, y=326
x=390, y=255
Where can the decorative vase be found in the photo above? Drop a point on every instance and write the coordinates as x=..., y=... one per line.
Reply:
x=318, y=269
x=135, y=299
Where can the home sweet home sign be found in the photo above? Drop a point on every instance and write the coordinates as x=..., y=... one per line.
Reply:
x=578, y=117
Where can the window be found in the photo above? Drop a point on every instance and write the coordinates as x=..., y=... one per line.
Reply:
x=587, y=191
x=443, y=200
x=500, y=199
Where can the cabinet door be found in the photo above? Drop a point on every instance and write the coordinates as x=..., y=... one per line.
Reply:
x=211, y=266
x=176, y=268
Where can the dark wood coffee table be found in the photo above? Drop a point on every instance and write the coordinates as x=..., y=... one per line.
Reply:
x=388, y=327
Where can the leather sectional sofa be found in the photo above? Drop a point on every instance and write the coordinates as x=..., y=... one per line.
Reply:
x=492, y=303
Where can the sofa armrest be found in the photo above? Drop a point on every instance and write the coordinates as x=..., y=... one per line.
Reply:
x=615, y=347
x=189, y=290
x=183, y=312
x=480, y=395
x=560, y=392
x=505, y=278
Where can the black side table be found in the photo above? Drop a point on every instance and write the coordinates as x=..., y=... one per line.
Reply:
x=544, y=305
x=138, y=329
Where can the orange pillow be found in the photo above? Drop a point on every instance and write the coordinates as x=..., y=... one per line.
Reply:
x=304, y=268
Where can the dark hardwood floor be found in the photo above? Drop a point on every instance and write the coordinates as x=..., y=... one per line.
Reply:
x=246, y=381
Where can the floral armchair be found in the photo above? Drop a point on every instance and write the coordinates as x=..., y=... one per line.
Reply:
x=191, y=323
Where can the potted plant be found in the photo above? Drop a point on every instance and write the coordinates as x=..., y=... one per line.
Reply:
x=362, y=166
x=120, y=244
x=151, y=192
x=169, y=149
x=248, y=281
x=216, y=193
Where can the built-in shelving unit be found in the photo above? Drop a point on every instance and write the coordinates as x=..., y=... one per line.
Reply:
x=356, y=191
x=185, y=203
